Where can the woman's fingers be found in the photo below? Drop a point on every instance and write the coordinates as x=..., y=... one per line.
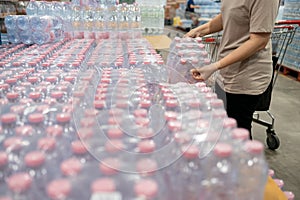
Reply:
x=196, y=75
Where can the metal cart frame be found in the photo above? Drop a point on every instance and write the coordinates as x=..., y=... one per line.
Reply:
x=281, y=37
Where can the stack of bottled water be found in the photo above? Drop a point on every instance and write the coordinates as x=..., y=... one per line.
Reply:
x=82, y=131
x=186, y=54
x=152, y=16
x=33, y=29
x=91, y=19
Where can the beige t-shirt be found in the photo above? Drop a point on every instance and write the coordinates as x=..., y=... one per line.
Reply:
x=240, y=18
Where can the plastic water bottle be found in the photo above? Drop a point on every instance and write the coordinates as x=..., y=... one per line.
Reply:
x=252, y=171
x=4, y=167
x=80, y=151
x=186, y=174
x=289, y=195
x=220, y=174
x=25, y=37
x=23, y=22
x=59, y=189
x=20, y=186
x=32, y=8
x=9, y=122
x=35, y=164
x=10, y=22
x=105, y=188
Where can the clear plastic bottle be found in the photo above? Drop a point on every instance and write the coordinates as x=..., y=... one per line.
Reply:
x=59, y=189
x=186, y=174
x=220, y=174
x=4, y=170
x=80, y=151
x=105, y=188
x=32, y=8
x=10, y=22
x=9, y=122
x=252, y=171
x=19, y=185
x=35, y=165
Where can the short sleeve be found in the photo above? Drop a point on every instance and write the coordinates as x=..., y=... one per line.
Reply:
x=263, y=14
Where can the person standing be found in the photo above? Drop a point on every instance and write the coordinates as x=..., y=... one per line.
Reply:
x=190, y=12
x=245, y=54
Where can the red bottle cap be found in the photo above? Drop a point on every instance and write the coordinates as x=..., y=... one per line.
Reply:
x=51, y=79
x=3, y=159
x=182, y=137
x=254, y=147
x=240, y=133
x=171, y=103
x=12, y=95
x=113, y=146
x=219, y=113
x=47, y=144
x=91, y=112
x=54, y=131
x=71, y=167
x=57, y=94
x=289, y=195
x=88, y=122
x=229, y=123
x=171, y=115
x=70, y=78
x=11, y=80
x=79, y=148
x=223, y=150
x=145, y=104
x=103, y=185
x=85, y=133
x=146, y=146
x=110, y=166
x=34, y=159
x=8, y=118
x=114, y=133
x=145, y=133
x=59, y=189
x=36, y=118
x=146, y=188
x=4, y=86
x=142, y=121
x=146, y=166
x=115, y=112
x=190, y=151
x=19, y=182
x=13, y=143
x=140, y=113
x=63, y=117
x=216, y=103
x=24, y=130
x=174, y=125
x=99, y=104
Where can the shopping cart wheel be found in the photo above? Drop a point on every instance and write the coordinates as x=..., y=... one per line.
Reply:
x=272, y=140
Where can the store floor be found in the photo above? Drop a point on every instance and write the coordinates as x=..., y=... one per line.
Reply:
x=285, y=107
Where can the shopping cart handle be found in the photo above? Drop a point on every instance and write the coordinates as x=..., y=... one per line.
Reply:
x=288, y=22
x=284, y=27
x=209, y=39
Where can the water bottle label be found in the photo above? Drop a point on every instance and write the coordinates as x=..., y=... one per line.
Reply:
x=107, y=196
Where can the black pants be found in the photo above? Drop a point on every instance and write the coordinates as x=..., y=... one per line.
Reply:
x=240, y=107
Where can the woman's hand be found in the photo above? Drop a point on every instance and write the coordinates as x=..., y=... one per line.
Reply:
x=193, y=33
x=203, y=73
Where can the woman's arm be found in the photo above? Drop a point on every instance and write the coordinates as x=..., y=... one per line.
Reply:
x=213, y=26
x=256, y=42
x=194, y=6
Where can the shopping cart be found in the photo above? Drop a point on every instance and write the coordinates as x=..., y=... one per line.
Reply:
x=281, y=37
